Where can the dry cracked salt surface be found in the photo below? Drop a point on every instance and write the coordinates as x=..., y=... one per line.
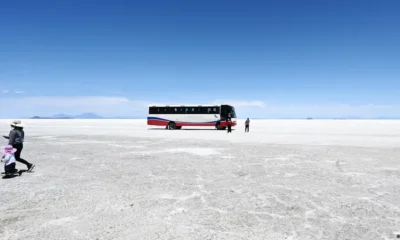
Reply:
x=286, y=179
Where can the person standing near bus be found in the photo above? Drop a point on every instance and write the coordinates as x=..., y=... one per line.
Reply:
x=247, y=125
x=229, y=124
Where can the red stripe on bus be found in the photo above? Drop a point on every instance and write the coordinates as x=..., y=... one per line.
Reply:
x=165, y=123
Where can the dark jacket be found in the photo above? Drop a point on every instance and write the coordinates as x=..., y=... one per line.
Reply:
x=16, y=136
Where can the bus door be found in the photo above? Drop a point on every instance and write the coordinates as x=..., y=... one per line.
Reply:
x=224, y=112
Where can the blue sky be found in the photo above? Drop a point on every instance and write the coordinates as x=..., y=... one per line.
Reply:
x=282, y=58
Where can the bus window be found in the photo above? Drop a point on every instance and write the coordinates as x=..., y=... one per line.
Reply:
x=226, y=109
x=233, y=113
x=153, y=110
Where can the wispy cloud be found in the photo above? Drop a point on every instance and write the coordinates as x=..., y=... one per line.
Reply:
x=44, y=106
x=122, y=106
x=237, y=103
x=5, y=91
x=103, y=105
x=332, y=110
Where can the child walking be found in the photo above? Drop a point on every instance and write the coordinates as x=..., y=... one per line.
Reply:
x=9, y=160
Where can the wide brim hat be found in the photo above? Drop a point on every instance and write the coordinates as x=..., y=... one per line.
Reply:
x=8, y=149
x=17, y=123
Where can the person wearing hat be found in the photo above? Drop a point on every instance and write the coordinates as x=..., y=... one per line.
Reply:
x=16, y=140
x=9, y=160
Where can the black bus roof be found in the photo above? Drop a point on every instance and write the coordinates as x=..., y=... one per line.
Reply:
x=191, y=105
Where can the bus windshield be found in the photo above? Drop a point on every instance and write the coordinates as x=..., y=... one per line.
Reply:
x=233, y=113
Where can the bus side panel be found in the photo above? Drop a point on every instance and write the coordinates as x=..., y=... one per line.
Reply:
x=155, y=121
x=182, y=124
x=223, y=123
x=196, y=120
x=201, y=120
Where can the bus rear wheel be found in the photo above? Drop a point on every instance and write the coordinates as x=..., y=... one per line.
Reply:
x=171, y=125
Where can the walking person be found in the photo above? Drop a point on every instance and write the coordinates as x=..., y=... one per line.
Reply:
x=247, y=125
x=16, y=140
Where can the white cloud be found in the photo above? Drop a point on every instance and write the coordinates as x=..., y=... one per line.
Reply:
x=237, y=103
x=5, y=91
x=46, y=106
x=102, y=105
x=121, y=106
x=234, y=103
x=331, y=110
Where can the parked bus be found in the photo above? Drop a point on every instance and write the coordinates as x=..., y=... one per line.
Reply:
x=175, y=117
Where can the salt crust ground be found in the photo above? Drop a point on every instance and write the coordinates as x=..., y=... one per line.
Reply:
x=286, y=179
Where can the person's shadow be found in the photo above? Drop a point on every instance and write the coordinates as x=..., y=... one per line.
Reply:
x=16, y=174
